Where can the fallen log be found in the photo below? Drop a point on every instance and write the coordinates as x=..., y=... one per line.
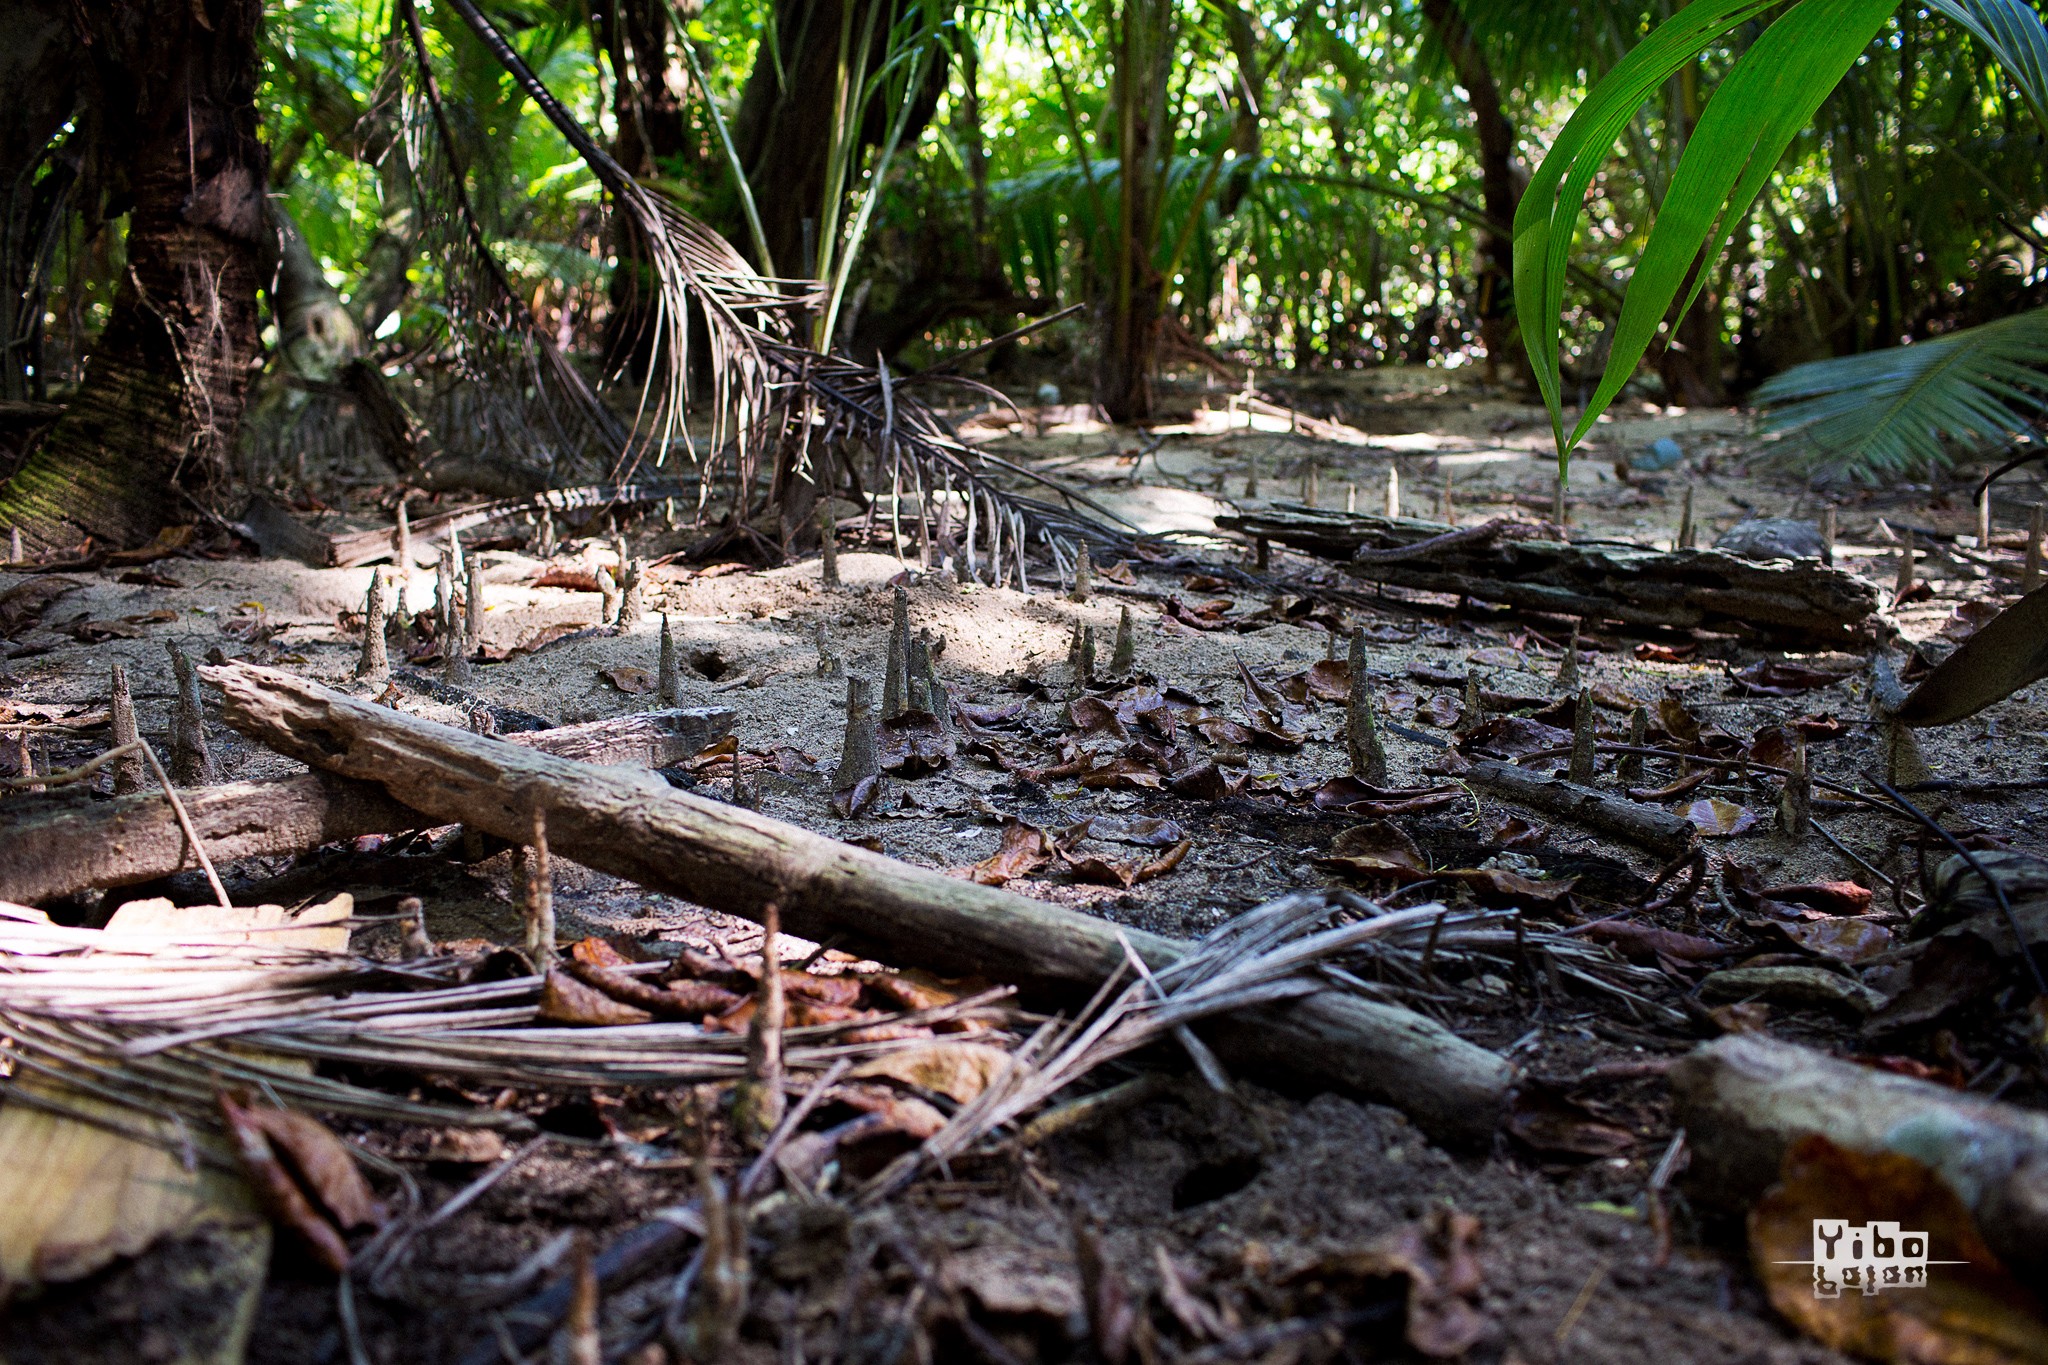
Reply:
x=1638, y=822
x=64, y=842
x=1744, y=1099
x=1778, y=600
x=280, y=534
x=635, y=826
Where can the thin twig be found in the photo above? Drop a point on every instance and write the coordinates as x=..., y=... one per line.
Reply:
x=185, y=823
x=70, y=775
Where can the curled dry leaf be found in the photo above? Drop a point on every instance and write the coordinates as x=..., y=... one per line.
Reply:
x=1967, y=1311
x=1498, y=656
x=959, y=1071
x=1776, y=678
x=912, y=744
x=565, y=1000
x=628, y=679
x=1840, y=938
x=1650, y=652
x=1712, y=817
x=1552, y=1122
x=1024, y=849
x=1440, y=1261
x=1354, y=797
x=1514, y=737
x=1376, y=849
x=1126, y=874
x=858, y=798
x=279, y=1188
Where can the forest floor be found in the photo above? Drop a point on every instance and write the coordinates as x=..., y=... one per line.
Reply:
x=1235, y=1222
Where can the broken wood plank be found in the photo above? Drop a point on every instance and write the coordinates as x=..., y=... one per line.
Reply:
x=634, y=826
x=1638, y=822
x=1524, y=566
x=1744, y=1099
x=64, y=842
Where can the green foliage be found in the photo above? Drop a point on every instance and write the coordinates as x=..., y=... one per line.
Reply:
x=1886, y=414
x=1768, y=97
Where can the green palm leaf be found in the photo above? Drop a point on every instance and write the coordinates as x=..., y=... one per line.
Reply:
x=2016, y=36
x=1885, y=413
x=1768, y=96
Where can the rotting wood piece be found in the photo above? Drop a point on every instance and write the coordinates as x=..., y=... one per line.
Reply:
x=1802, y=603
x=64, y=842
x=1652, y=827
x=1744, y=1099
x=632, y=825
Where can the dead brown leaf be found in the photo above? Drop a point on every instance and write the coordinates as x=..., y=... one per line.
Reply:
x=1552, y=1122
x=1714, y=817
x=1024, y=850
x=322, y=1165
x=565, y=1000
x=1378, y=850
x=1439, y=1259
x=912, y=744
x=959, y=1071
x=1971, y=1313
x=23, y=605
x=632, y=681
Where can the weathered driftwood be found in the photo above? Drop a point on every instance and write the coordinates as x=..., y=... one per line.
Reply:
x=1793, y=602
x=633, y=825
x=64, y=842
x=280, y=534
x=1652, y=827
x=1744, y=1099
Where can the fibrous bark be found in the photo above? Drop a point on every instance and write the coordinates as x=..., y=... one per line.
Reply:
x=738, y=861
x=172, y=88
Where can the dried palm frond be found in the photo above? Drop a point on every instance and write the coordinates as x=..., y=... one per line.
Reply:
x=774, y=397
x=1285, y=948
x=158, y=1025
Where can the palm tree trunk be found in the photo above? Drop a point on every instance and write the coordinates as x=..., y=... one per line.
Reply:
x=173, y=83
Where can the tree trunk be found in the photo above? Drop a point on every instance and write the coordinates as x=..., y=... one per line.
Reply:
x=1500, y=186
x=164, y=388
x=782, y=130
x=1130, y=332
